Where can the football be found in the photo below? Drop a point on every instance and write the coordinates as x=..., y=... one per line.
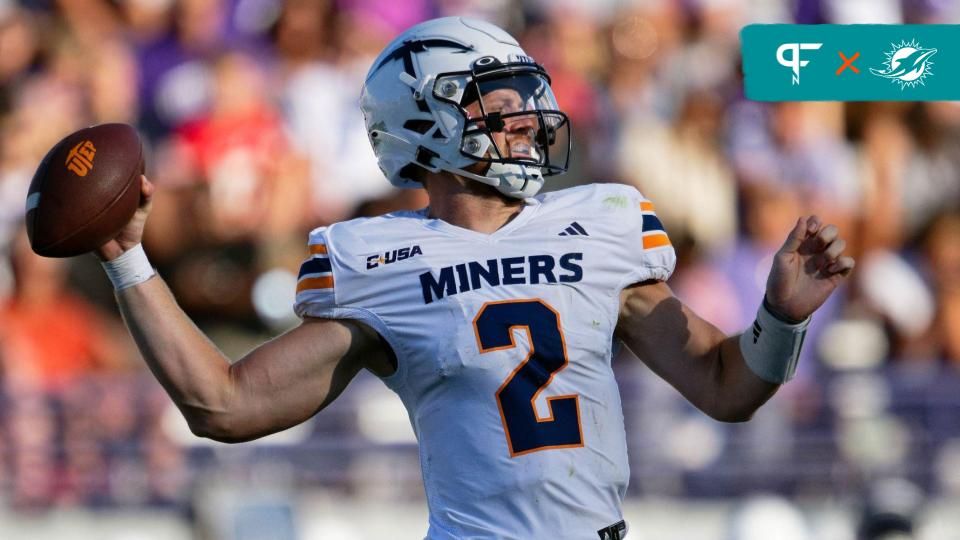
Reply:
x=85, y=190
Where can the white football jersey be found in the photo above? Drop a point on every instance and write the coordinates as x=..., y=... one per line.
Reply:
x=503, y=345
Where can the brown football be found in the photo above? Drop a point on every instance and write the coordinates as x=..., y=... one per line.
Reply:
x=85, y=190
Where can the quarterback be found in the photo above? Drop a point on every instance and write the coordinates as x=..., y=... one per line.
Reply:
x=493, y=312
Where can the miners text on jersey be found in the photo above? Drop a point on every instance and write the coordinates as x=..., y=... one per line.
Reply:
x=531, y=269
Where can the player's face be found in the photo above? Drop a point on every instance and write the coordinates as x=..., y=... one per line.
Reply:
x=511, y=118
x=516, y=139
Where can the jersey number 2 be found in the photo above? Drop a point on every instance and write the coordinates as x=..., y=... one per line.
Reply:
x=526, y=432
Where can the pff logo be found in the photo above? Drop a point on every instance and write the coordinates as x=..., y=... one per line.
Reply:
x=794, y=62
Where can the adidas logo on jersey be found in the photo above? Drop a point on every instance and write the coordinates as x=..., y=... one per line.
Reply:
x=393, y=256
x=575, y=229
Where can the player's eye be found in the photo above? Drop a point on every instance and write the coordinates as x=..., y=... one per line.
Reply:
x=503, y=107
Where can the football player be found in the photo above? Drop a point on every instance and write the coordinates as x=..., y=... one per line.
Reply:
x=493, y=312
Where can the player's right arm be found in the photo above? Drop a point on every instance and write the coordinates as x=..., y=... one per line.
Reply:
x=277, y=385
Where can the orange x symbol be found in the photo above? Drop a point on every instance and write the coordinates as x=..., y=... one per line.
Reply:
x=848, y=62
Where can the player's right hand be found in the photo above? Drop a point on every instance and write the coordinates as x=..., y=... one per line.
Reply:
x=132, y=232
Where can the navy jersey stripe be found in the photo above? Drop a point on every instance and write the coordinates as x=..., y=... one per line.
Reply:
x=652, y=223
x=315, y=266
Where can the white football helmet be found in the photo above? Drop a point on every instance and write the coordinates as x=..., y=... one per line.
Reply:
x=416, y=98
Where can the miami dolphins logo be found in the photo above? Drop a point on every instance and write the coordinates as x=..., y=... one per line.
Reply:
x=907, y=64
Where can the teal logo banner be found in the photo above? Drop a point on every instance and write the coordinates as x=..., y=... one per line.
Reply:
x=858, y=62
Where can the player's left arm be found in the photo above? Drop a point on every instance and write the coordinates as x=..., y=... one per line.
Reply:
x=717, y=373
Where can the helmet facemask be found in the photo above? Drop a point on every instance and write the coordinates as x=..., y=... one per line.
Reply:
x=512, y=124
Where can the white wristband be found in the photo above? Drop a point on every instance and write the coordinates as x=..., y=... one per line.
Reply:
x=129, y=269
x=772, y=347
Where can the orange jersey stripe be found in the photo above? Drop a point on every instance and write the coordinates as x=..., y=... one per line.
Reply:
x=318, y=249
x=323, y=282
x=646, y=206
x=655, y=240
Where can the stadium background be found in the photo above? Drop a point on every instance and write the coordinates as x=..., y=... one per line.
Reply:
x=249, y=109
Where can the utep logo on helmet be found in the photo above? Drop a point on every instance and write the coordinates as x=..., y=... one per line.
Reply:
x=520, y=58
x=80, y=158
x=794, y=62
x=393, y=256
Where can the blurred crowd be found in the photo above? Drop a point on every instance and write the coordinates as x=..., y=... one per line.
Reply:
x=248, y=109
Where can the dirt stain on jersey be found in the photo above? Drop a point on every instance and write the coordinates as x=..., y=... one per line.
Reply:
x=618, y=201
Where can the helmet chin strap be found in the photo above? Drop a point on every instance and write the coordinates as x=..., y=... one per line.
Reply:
x=518, y=181
x=513, y=180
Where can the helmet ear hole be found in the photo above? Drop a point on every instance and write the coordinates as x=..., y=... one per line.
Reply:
x=419, y=126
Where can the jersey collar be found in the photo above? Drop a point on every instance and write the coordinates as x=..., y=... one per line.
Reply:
x=530, y=207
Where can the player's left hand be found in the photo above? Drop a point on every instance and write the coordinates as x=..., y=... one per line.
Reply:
x=808, y=267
